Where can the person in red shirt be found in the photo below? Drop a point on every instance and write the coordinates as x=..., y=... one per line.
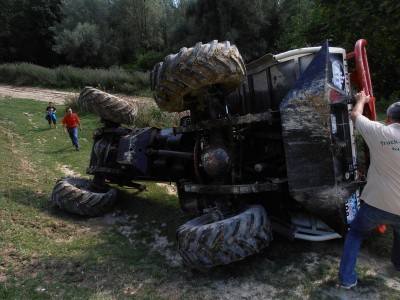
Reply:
x=70, y=123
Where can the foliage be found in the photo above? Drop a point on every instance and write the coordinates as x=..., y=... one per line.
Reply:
x=142, y=24
x=383, y=104
x=84, y=34
x=149, y=59
x=253, y=26
x=72, y=101
x=25, y=33
x=294, y=34
x=81, y=46
x=112, y=80
x=150, y=115
x=343, y=23
x=104, y=33
x=26, y=74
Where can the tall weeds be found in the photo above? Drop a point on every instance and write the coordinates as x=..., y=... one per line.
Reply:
x=111, y=80
x=150, y=115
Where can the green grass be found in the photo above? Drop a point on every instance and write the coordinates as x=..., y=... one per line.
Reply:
x=46, y=253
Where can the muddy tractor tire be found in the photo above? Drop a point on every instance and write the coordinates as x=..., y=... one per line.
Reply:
x=204, y=242
x=181, y=77
x=77, y=196
x=107, y=106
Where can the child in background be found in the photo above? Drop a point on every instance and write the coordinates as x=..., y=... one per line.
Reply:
x=51, y=115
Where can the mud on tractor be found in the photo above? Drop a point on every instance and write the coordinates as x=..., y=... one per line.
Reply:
x=264, y=148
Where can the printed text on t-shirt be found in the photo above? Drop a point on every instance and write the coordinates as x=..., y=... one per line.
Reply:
x=383, y=143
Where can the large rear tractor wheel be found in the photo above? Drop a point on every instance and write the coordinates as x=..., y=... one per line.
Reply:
x=183, y=77
x=77, y=196
x=204, y=242
x=107, y=106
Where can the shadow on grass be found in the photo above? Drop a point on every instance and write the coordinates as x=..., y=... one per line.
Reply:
x=153, y=207
x=85, y=256
x=368, y=288
x=40, y=129
x=95, y=257
x=61, y=150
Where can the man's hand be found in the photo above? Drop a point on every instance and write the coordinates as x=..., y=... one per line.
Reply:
x=358, y=108
x=362, y=97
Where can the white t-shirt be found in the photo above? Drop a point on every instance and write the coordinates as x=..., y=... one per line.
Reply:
x=383, y=179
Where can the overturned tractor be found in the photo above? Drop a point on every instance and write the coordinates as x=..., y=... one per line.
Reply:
x=266, y=148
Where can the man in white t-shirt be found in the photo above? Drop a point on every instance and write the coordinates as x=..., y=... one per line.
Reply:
x=381, y=195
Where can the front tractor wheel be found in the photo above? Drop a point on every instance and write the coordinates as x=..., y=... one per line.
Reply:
x=183, y=76
x=78, y=196
x=204, y=242
x=107, y=106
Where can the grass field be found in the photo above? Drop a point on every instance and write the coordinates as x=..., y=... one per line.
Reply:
x=131, y=253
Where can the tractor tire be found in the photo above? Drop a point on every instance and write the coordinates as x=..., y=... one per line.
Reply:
x=107, y=106
x=76, y=196
x=181, y=78
x=204, y=242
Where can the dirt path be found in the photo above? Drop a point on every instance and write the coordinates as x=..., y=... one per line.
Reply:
x=50, y=95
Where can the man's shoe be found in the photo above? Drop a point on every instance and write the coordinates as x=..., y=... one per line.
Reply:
x=348, y=287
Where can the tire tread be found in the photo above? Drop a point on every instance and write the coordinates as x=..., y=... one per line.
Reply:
x=205, y=243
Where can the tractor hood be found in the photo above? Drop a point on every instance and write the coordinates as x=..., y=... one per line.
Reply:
x=317, y=141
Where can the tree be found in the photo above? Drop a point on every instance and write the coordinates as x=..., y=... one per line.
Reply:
x=253, y=25
x=343, y=23
x=142, y=25
x=84, y=35
x=25, y=33
x=379, y=23
x=102, y=33
x=81, y=46
x=105, y=32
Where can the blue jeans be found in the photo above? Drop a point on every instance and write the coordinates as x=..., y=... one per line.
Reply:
x=73, y=134
x=51, y=117
x=367, y=219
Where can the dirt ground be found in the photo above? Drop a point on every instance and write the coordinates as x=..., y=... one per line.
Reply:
x=229, y=289
x=47, y=95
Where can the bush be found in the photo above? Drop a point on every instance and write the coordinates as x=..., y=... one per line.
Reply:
x=72, y=102
x=383, y=104
x=149, y=59
x=149, y=115
x=111, y=80
x=26, y=74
